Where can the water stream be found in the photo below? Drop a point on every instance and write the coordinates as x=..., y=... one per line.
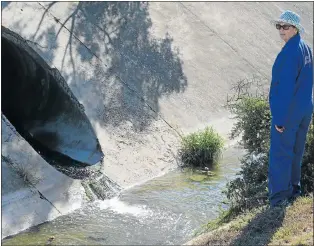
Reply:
x=165, y=210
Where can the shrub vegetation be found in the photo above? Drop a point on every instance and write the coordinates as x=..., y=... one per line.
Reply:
x=201, y=149
x=249, y=189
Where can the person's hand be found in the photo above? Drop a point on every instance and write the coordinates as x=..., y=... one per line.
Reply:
x=279, y=128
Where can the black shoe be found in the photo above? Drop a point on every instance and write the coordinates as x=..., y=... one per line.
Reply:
x=282, y=204
x=294, y=197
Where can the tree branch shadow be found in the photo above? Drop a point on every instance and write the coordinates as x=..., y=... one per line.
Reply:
x=42, y=18
x=113, y=38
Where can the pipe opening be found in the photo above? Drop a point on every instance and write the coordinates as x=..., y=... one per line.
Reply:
x=40, y=105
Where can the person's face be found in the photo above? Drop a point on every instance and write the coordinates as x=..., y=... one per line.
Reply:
x=286, y=31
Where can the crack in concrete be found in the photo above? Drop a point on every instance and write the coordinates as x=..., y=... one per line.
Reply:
x=214, y=32
x=41, y=196
x=123, y=82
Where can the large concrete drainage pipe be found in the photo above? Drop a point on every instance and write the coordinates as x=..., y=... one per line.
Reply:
x=40, y=105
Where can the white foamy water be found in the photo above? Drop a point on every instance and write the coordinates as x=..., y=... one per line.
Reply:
x=120, y=207
x=166, y=210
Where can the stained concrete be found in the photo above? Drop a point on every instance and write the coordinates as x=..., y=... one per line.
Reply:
x=32, y=191
x=146, y=71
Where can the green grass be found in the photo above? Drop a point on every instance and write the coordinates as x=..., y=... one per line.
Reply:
x=223, y=218
x=264, y=226
x=201, y=149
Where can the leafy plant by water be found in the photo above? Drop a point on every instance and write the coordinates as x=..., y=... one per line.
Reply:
x=307, y=169
x=253, y=122
x=201, y=149
x=249, y=189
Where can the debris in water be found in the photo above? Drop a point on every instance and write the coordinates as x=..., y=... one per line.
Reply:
x=50, y=239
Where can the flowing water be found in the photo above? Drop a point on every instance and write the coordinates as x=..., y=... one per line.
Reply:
x=165, y=210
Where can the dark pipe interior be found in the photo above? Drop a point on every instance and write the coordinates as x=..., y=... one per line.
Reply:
x=40, y=108
x=21, y=96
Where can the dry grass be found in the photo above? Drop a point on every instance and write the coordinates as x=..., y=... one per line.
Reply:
x=297, y=226
x=281, y=226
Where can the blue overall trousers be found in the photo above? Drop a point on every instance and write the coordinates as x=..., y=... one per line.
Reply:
x=291, y=105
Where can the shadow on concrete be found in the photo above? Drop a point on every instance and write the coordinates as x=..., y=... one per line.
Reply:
x=40, y=105
x=128, y=65
x=112, y=65
x=261, y=228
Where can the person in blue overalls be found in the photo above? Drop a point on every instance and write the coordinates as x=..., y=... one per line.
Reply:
x=291, y=105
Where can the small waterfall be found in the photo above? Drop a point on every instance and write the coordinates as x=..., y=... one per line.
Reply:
x=101, y=188
x=98, y=186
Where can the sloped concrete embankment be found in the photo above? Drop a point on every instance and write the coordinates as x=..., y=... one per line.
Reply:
x=32, y=191
x=143, y=71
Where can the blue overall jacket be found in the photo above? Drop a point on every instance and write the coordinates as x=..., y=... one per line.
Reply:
x=291, y=90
